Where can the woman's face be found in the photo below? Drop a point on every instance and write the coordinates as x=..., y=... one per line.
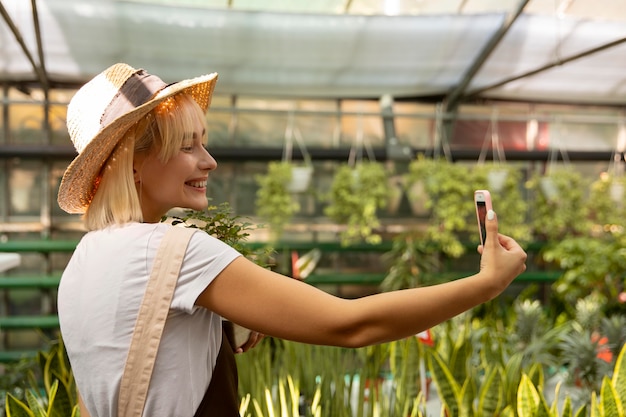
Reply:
x=179, y=182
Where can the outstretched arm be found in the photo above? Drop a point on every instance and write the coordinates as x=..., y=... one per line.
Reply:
x=265, y=301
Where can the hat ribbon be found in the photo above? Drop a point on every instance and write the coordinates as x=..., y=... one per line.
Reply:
x=138, y=89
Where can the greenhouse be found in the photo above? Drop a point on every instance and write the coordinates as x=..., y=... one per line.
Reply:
x=350, y=137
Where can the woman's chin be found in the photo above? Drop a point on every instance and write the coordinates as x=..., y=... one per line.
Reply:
x=199, y=205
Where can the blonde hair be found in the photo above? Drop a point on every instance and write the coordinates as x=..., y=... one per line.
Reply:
x=164, y=130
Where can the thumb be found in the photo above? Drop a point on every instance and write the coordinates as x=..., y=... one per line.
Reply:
x=491, y=224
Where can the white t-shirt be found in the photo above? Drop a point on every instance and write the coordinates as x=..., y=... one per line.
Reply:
x=98, y=302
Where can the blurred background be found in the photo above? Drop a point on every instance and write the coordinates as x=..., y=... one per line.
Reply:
x=522, y=82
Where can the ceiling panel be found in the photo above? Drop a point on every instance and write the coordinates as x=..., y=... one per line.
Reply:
x=331, y=48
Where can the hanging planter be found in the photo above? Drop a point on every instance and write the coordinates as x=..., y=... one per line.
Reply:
x=301, y=174
x=276, y=202
x=549, y=188
x=558, y=209
x=497, y=174
x=448, y=190
x=509, y=198
x=300, y=178
x=497, y=178
x=396, y=192
x=417, y=196
x=358, y=191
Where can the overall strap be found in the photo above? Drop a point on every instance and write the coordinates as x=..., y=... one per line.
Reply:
x=151, y=321
x=221, y=397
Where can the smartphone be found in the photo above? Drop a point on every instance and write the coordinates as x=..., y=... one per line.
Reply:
x=482, y=200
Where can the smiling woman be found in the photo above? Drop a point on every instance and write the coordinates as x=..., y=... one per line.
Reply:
x=169, y=175
x=141, y=153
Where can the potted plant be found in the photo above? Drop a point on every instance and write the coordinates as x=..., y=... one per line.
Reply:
x=356, y=194
x=605, y=205
x=275, y=202
x=448, y=192
x=558, y=210
x=507, y=197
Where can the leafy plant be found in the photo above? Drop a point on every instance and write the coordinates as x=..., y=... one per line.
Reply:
x=221, y=223
x=509, y=201
x=356, y=195
x=57, y=397
x=558, y=207
x=411, y=259
x=274, y=201
x=605, y=205
x=589, y=265
x=449, y=190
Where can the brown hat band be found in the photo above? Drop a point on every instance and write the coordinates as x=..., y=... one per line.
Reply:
x=138, y=89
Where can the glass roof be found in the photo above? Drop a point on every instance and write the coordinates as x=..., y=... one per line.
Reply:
x=570, y=51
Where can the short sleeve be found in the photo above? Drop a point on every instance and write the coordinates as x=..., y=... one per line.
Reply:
x=205, y=258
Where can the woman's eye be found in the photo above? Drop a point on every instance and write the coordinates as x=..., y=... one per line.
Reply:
x=187, y=148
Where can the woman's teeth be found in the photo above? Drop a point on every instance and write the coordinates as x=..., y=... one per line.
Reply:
x=197, y=184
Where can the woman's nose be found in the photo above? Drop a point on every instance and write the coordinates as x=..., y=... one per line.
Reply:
x=208, y=162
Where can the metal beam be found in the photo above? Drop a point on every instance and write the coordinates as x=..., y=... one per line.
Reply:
x=18, y=37
x=556, y=63
x=264, y=154
x=453, y=97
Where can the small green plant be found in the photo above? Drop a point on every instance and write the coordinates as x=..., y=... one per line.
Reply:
x=606, y=204
x=411, y=259
x=449, y=189
x=558, y=207
x=234, y=230
x=508, y=200
x=274, y=201
x=55, y=396
x=356, y=195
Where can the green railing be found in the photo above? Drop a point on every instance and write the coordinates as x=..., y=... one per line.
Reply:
x=47, y=282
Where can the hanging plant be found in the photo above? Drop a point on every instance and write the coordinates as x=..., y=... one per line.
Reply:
x=606, y=204
x=275, y=199
x=508, y=199
x=554, y=218
x=449, y=199
x=275, y=203
x=356, y=195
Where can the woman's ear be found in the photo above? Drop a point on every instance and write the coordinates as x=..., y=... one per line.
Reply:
x=136, y=176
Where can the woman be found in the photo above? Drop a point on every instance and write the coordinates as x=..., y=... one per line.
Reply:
x=141, y=146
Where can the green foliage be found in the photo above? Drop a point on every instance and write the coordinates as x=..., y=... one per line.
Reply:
x=450, y=192
x=411, y=258
x=292, y=379
x=605, y=205
x=590, y=265
x=563, y=214
x=509, y=202
x=274, y=202
x=356, y=195
x=57, y=397
x=221, y=223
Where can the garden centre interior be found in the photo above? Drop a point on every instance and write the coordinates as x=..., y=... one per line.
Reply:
x=433, y=99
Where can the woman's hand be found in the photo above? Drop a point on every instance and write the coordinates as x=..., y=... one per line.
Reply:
x=254, y=338
x=502, y=258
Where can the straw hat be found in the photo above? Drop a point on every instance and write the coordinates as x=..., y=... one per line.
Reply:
x=103, y=110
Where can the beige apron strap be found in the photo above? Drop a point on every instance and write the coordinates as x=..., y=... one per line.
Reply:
x=151, y=321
